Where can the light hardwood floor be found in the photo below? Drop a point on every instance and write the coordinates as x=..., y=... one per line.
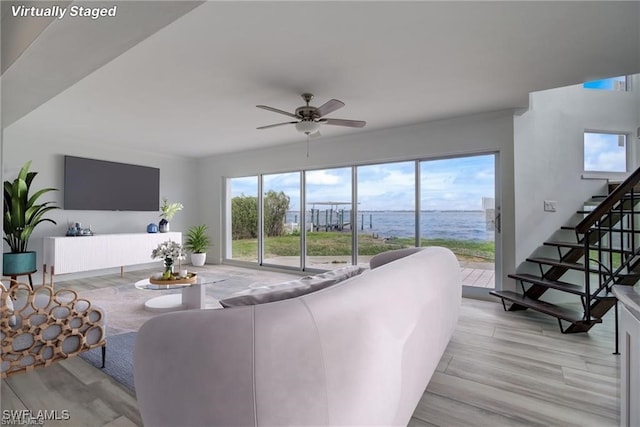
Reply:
x=500, y=369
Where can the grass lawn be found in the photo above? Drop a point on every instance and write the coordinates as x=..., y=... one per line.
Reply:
x=338, y=243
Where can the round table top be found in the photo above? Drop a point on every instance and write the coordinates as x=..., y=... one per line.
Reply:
x=202, y=279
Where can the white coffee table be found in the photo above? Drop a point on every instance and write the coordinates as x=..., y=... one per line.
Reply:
x=191, y=297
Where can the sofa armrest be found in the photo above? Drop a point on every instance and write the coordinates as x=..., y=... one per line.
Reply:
x=392, y=255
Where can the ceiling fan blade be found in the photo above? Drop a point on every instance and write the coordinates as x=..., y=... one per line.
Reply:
x=275, y=110
x=328, y=107
x=343, y=122
x=277, y=124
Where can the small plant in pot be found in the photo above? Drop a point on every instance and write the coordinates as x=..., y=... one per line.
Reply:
x=22, y=214
x=197, y=243
x=167, y=211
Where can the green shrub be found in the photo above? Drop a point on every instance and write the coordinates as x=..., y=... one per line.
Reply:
x=244, y=215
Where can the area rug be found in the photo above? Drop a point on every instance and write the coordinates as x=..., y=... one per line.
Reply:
x=119, y=360
x=123, y=303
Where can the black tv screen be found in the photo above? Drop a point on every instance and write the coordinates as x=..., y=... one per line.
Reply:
x=91, y=184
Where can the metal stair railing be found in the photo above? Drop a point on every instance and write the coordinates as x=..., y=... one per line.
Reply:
x=614, y=217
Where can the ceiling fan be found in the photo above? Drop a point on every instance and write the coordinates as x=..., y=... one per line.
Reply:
x=309, y=118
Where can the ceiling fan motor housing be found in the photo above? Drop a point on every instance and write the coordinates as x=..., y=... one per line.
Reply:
x=306, y=112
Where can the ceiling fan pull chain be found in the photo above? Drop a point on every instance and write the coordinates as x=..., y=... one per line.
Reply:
x=307, y=145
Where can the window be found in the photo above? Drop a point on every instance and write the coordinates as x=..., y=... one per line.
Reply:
x=328, y=212
x=386, y=208
x=605, y=152
x=243, y=232
x=614, y=84
x=327, y=218
x=281, y=219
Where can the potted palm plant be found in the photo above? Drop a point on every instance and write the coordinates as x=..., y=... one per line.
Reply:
x=22, y=214
x=197, y=243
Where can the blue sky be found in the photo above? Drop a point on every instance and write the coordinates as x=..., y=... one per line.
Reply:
x=447, y=184
x=604, y=84
x=604, y=152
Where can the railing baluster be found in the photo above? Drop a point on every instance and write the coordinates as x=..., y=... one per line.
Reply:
x=587, y=278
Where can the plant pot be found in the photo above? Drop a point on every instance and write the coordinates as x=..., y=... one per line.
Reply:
x=198, y=260
x=163, y=226
x=14, y=264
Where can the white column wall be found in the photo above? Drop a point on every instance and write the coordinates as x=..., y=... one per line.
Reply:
x=467, y=135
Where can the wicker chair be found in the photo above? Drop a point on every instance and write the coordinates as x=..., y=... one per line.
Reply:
x=41, y=326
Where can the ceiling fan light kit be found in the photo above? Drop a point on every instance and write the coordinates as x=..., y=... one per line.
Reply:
x=310, y=118
x=307, y=126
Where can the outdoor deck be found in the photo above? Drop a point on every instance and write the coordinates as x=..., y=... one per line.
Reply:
x=476, y=274
x=479, y=276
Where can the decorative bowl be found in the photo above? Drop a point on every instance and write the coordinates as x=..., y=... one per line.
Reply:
x=175, y=280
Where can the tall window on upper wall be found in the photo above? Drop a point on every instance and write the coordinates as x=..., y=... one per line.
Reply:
x=605, y=152
x=619, y=84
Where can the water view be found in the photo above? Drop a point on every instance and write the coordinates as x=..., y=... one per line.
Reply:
x=453, y=225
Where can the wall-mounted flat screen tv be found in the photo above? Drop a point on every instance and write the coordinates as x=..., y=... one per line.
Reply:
x=100, y=185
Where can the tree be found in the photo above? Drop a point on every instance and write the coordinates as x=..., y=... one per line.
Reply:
x=244, y=215
x=276, y=206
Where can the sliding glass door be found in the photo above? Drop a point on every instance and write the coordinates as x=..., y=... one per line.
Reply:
x=328, y=211
x=307, y=220
x=457, y=198
x=386, y=217
x=243, y=231
x=281, y=216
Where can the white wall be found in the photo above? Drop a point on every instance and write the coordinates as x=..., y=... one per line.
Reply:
x=47, y=156
x=548, y=155
x=475, y=134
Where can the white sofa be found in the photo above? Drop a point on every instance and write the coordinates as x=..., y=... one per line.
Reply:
x=360, y=352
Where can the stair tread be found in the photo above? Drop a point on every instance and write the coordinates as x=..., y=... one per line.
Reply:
x=554, y=284
x=563, y=264
x=574, y=245
x=554, y=310
x=564, y=244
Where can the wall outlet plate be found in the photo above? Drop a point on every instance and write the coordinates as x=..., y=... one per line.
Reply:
x=550, y=205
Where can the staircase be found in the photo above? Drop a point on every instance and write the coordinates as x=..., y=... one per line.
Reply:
x=601, y=250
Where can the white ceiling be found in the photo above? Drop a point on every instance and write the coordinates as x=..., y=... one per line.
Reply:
x=191, y=87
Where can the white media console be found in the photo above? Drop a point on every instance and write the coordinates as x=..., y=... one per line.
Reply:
x=64, y=255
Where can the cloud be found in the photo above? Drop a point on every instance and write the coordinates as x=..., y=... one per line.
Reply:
x=247, y=186
x=446, y=184
x=327, y=177
x=603, y=152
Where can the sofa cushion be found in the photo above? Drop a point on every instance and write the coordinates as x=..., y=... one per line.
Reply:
x=292, y=288
x=388, y=256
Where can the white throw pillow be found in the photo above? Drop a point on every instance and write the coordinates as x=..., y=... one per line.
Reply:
x=292, y=288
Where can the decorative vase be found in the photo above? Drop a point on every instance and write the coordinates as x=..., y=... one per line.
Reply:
x=152, y=228
x=168, y=267
x=163, y=226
